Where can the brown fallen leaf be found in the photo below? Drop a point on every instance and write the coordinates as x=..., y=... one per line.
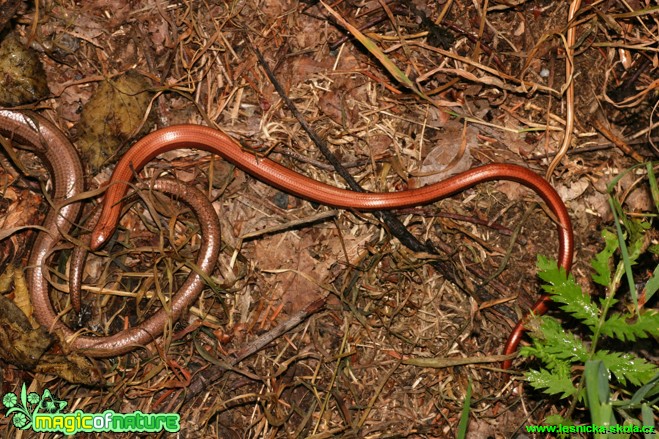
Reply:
x=71, y=367
x=20, y=345
x=450, y=155
x=25, y=347
x=112, y=116
x=22, y=78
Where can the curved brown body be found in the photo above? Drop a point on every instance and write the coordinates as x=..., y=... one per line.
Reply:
x=53, y=147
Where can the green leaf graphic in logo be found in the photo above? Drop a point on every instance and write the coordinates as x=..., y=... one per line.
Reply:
x=33, y=398
x=27, y=405
x=9, y=400
x=20, y=420
x=22, y=414
x=49, y=404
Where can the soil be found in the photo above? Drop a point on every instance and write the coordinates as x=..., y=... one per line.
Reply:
x=495, y=82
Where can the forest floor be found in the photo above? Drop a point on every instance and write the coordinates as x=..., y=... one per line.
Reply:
x=324, y=311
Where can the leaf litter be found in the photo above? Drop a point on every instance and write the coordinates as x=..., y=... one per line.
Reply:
x=361, y=365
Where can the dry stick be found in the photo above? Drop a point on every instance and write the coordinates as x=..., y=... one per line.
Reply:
x=289, y=225
x=394, y=225
x=617, y=141
x=592, y=148
x=201, y=381
x=208, y=376
x=317, y=163
x=569, y=77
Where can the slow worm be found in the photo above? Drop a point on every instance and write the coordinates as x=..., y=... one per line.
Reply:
x=60, y=156
x=36, y=134
x=214, y=141
x=185, y=296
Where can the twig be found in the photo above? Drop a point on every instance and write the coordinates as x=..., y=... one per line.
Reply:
x=617, y=141
x=208, y=376
x=569, y=93
x=393, y=224
x=290, y=225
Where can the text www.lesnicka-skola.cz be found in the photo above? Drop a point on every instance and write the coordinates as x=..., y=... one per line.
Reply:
x=589, y=429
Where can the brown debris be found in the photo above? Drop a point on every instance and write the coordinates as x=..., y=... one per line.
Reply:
x=329, y=328
x=22, y=77
x=114, y=114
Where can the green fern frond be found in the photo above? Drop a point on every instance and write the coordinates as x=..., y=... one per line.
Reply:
x=565, y=291
x=602, y=261
x=549, y=359
x=618, y=326
x=561, y=344
x=566, y=359
x=551, y=383
x=557, y=349
x=627, y=367
x=637, y=238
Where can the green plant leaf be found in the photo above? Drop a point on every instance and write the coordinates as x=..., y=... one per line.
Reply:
x=652, y=285
x=566, y=291
x=555, y=347
x=464, y=416
x=550, y=383
x=647, y=415
x=601, y=263
x=552, y=363
x=598, y=394
x=557, y=419
x=618, y=217
x=627, y=367
x=648, y=390
x=654, y=189
x=561, y=344
x=618, y=326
